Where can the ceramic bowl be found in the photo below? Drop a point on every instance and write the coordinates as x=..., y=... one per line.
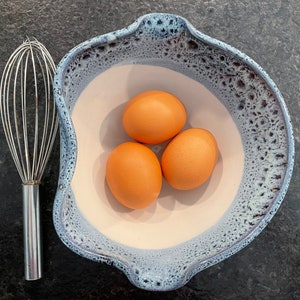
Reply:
x=162, y=246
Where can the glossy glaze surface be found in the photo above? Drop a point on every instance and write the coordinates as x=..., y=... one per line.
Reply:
x=254, y=103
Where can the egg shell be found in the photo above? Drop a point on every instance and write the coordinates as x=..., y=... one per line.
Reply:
x=189, y=159
x=153, y=117
x=133, y=174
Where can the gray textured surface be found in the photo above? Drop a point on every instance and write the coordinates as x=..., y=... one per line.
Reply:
x=269, y=268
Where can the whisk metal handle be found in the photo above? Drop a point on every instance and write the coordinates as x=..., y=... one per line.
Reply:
x=32, y=232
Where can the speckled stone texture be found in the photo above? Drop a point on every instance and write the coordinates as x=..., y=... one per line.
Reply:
x=269, y=268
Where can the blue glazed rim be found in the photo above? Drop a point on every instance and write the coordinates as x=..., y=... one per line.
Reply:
x=69, y=154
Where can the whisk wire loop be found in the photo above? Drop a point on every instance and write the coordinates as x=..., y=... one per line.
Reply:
x=30, y=146
x=5, y=112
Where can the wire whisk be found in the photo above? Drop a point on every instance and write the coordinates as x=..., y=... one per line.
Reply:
x=30, y=124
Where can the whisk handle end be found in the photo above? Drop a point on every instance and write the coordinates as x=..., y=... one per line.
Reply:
x=32, y=232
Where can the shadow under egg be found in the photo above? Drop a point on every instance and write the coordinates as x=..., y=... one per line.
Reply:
x=111, y=132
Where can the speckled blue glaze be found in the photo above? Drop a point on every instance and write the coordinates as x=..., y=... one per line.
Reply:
x=255, y=104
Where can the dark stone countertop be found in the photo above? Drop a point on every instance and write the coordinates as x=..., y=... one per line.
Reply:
x=269, y=268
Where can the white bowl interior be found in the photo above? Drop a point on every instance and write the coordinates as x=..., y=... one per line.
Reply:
x=177, y=215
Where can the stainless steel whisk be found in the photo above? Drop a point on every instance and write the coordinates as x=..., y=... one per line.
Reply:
x=30, y=125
